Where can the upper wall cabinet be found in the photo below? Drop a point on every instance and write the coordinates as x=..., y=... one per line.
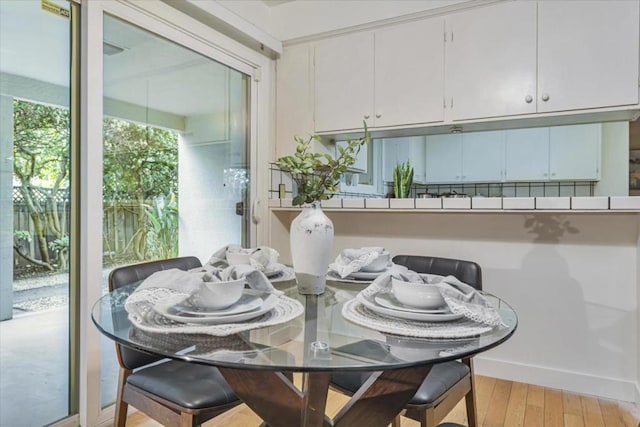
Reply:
x=587, y=54
x=390, y=77
x=491, y=61
x=344, y=82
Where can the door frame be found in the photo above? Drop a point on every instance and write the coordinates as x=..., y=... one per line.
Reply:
x=161, y=19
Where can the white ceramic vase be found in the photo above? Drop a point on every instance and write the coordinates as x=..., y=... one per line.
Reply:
x=311, y=246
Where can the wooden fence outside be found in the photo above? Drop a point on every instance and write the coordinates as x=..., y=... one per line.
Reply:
x=120, y=223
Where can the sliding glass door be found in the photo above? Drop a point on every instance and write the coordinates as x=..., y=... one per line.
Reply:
x=36, y=116
x=175, y=156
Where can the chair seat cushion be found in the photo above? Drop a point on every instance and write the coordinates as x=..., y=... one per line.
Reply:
x=186, y=384
x=441, y=378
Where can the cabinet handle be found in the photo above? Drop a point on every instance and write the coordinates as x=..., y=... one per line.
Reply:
x=553, y=174
x=366, y=116
x=378, y=115
x=545, y=174
x=528, y=99
x=545, y=97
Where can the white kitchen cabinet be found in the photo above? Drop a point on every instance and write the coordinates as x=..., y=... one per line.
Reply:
x=527, y=154
x=468, y=157
x=409, y=73
x=558, y=153
x=587, y=54
x=344, y=82
x=483, y=156
x=399, y=150
x=524, y=57
x=574, y=152
x=444, y=158
x=401, y=68
x=491, y=61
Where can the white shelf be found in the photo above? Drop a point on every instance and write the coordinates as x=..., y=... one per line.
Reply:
x=477, y=204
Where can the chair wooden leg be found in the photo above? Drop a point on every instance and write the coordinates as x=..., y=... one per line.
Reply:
x=121, y=406
x=186, y=420
x=428, y=418
x=396, y=421
x=470, y=397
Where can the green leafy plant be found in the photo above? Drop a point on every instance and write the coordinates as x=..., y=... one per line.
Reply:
x=318, y=175
x=162, y=234
x=402, y=179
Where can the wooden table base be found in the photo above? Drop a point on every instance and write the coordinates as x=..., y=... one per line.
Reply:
x=279, y=403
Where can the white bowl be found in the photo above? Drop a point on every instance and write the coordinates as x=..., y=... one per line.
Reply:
x=218, y=295
x=237, y=258
x=417, y=295
x=378, y=264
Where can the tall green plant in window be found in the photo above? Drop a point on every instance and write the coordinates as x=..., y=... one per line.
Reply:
x=402, y=179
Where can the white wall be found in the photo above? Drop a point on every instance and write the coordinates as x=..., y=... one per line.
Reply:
x=212, y=143
x=572, y=279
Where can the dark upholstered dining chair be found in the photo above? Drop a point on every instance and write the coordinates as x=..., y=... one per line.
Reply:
x=173, y=393
x=447, y=382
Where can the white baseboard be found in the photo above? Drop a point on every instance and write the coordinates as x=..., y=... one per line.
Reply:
x=577, y=382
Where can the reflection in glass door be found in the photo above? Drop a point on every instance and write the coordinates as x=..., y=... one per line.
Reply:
x=175, y=150
x=35, y=212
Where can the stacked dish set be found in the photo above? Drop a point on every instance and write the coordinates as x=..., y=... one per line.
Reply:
x=405, y=303
x=409, y=300
x=233, y=287
x=262, y=258
x=360, y=265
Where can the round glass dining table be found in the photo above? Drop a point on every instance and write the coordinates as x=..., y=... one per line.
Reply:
x=257, y=363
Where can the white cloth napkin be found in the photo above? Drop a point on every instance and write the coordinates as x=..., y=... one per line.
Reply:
x=351, y=260
x=260, y=258
x=459, y=296
x=169, y=283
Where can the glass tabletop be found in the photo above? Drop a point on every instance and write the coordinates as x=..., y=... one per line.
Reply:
x=321, y=339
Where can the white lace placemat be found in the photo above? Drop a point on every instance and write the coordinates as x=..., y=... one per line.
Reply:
x=357, y=313
x=285, y=310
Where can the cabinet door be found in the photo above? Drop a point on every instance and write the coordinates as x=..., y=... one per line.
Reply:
x=483, y=156
x=491, y=61
x=344, y=82
x=409, y=73
x=444, y=158
x=399, y=150
x=587, y=54
x=527, y=154
x=574, y=152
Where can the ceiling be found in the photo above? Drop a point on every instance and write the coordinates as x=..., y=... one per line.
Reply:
x=139, y=67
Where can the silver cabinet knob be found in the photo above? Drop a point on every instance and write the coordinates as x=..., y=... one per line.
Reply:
x=545, y=97
x=366, y=116
x=528, y=99
x=378, y=115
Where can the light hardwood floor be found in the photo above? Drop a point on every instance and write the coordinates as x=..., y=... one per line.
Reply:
x=500, y=403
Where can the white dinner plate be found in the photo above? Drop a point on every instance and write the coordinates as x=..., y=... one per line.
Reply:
x=332, y=275
x=168, y=309
x=367, y=275
x=370, y=303
x=389, y=301
x=247, y=302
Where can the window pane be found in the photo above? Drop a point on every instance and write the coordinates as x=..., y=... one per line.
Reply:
x=174, y=156
x=34, y=212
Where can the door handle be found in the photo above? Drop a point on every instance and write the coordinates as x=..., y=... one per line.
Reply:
x=254, y=209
